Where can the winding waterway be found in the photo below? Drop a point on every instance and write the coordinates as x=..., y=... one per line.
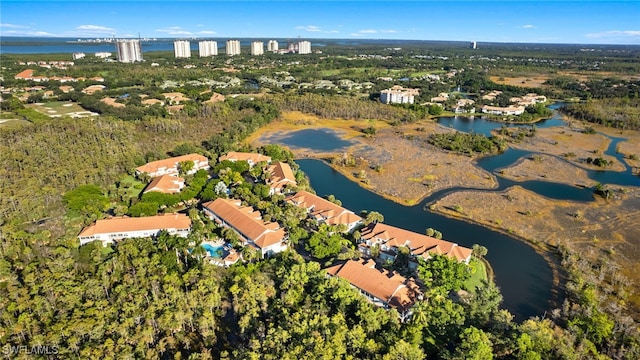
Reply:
x=525, y=278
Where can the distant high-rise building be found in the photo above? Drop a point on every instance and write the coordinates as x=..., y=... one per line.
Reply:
x=233, y=47
x=128, y=50
x=272, y=46
x=304, y=47
x=208, y=48
x=473, y=45
x=257, y=48
x=182, y=48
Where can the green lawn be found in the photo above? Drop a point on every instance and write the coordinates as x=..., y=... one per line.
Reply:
x=57, y=108
x=478, y=273
x=134, y=186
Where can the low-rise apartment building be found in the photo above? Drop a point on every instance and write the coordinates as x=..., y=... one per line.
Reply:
x=324, y=211
x=268, y=237
x=388, y=239
x=383, y=288
x=170, y=166
x=111, y=230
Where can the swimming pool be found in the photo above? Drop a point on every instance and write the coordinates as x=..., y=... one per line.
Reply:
x=214, y=251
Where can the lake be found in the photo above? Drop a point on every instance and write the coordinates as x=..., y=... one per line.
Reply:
x=524, y=277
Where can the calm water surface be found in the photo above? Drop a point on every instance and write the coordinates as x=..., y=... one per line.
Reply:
x=524, y=277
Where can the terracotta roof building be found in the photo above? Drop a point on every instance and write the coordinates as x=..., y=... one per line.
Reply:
x=170, y=166
x=268, y=237
x=117, y=228
x=251, y=158
x=324, y=211
x=280, y=175
x=389, y=238
x=383, y=288
x=167, y=184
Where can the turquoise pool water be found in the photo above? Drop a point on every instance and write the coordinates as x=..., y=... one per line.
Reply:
x=214, y=251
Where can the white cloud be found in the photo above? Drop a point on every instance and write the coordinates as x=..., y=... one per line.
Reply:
x=27, y=33
x=615, y=34
x=94, y=28
x=309, y=28
x=13, y=26
x=174, y=30
x=207, y=32
x=317, y=29
x=373, y=31
x=528, y=26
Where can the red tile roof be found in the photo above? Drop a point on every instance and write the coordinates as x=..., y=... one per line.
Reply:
x=322, y=209
x=25, y=74
x=390, y=287
x=129, y=224
x=166, y=184
x=240, y=156
x=170, y=163
x=246, y=221
x=281, y=175
x=420, y=245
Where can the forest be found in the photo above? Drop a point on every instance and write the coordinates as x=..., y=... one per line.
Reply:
x=153, y=298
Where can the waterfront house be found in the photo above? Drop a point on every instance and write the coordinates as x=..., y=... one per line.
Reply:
x=170, y=166
x=251, y=158
x=268, y=237
x=324, y=211
x=509, y=110
x=388, y=239
x=280, y=176
x=383, y=288
x=110, y=230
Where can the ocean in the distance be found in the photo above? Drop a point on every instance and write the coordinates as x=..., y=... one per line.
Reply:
x=56, y=45
x=48, y=45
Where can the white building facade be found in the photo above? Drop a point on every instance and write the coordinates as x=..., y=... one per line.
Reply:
x=257, y=48
x=304, y=47
x=272, y=46
x=182, y=48
x=129, y=51
x=398, y=95
x=233, y=47
x=208, y=48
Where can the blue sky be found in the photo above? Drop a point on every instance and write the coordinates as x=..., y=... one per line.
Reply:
x=583, y=22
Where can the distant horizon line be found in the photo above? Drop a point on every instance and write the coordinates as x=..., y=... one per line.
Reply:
x=307, y=39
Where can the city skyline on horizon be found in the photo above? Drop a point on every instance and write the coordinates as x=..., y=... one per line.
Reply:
x=565, y=22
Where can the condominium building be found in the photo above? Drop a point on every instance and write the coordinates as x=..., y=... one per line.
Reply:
x=128, y=50
x=398, y=95
x=272, y=46
x=182, y=48
x=257, y=48
x=233, y=47
x=268, y=237
x=172, y=165
x=110, y=230
x=208, y=48
x=304, y=47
